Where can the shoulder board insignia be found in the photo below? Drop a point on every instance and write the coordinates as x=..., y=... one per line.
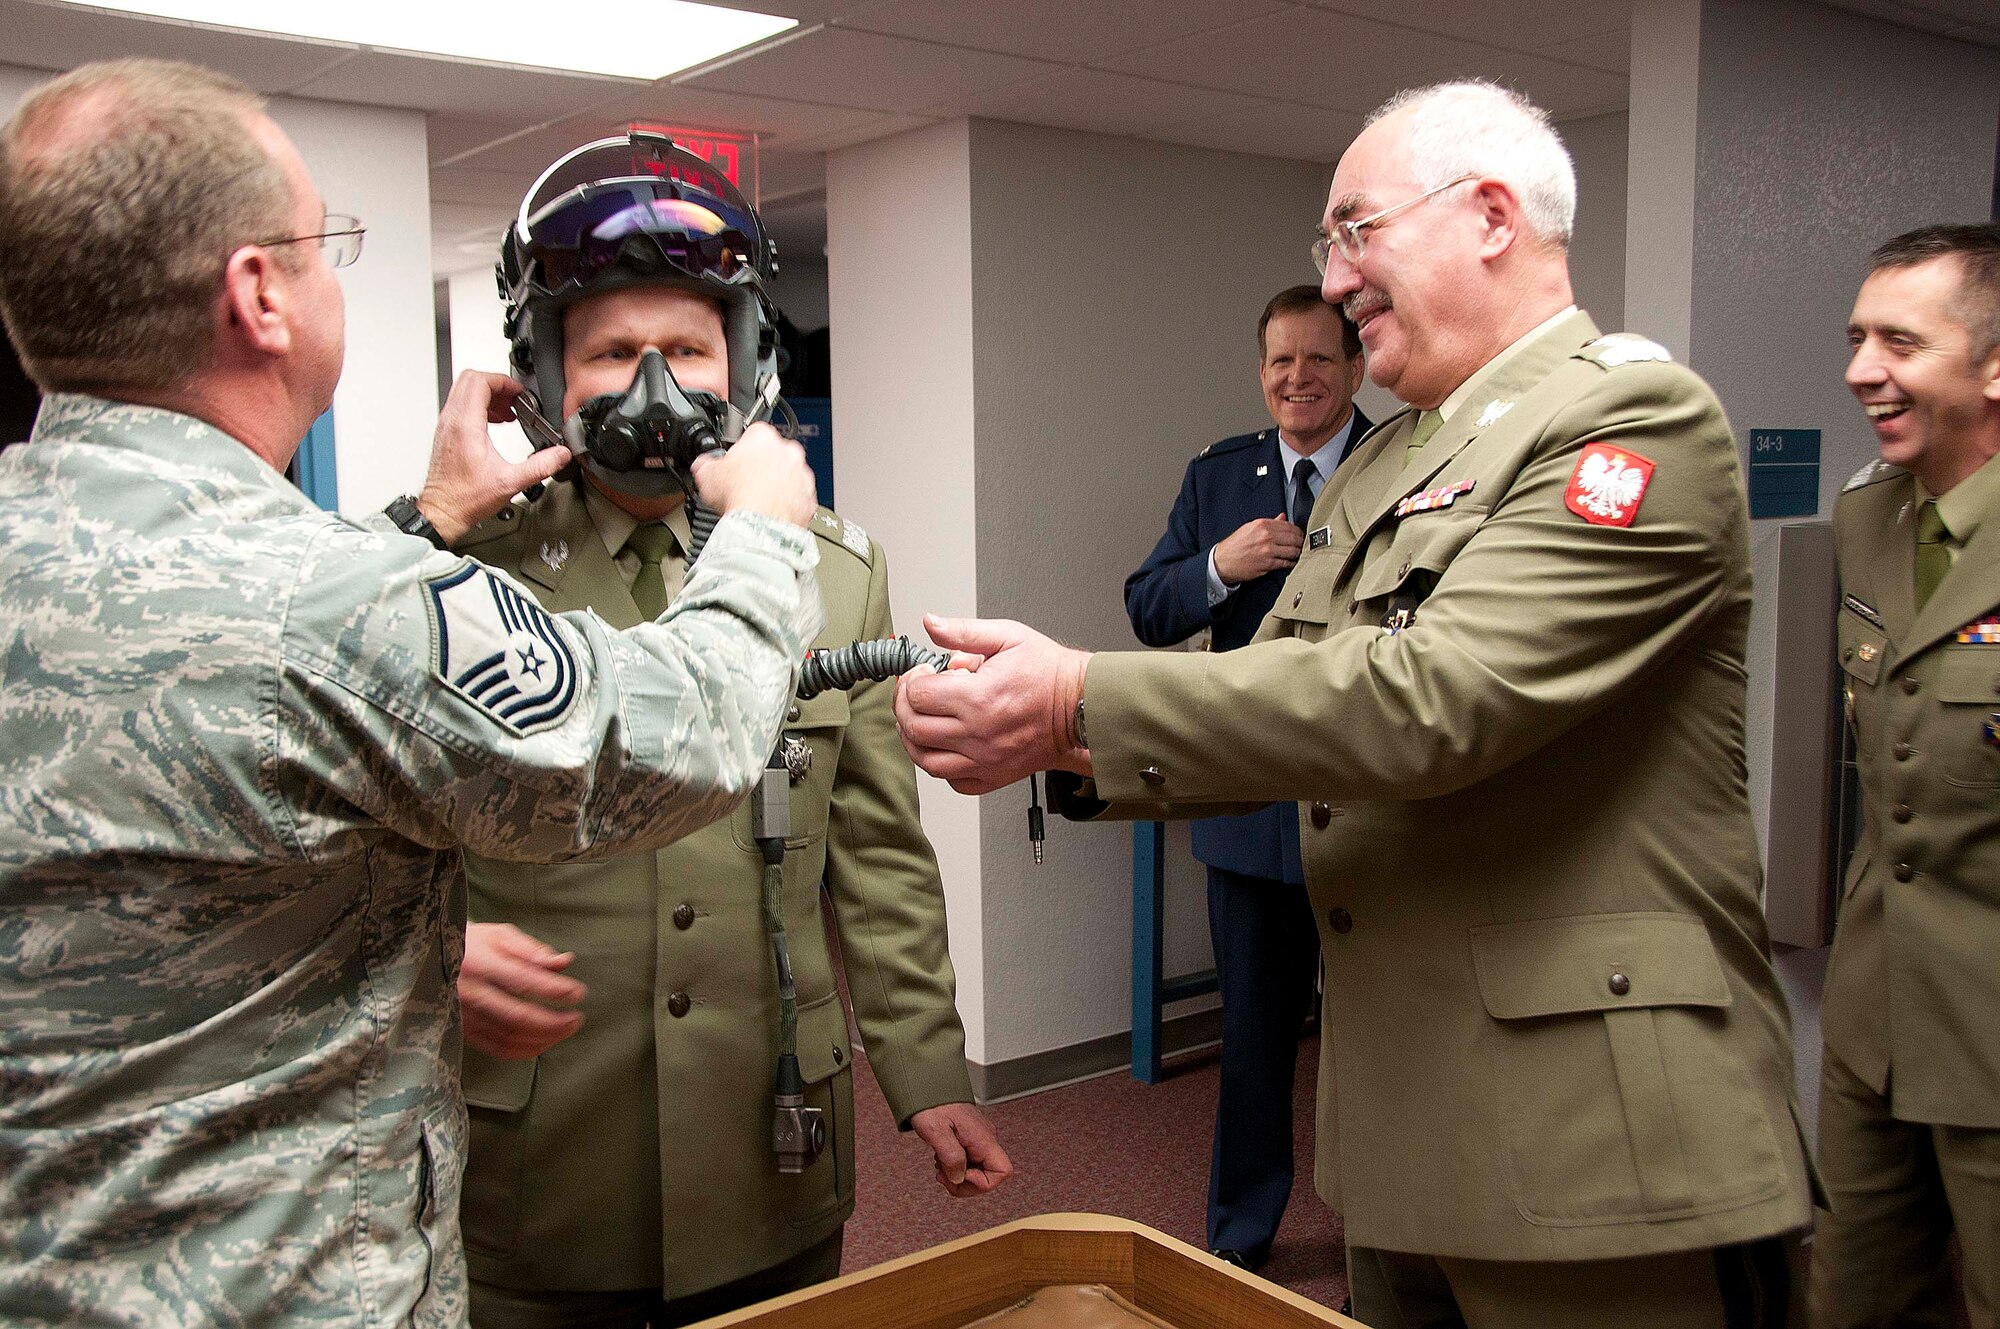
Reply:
x=1869, y=474
x=854, y=538
x=499, y=650
x=1203, y=453
x=1624, y=348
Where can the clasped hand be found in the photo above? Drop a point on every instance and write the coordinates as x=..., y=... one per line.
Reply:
x=1005, y=709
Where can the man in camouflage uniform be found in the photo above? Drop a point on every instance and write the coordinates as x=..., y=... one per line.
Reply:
x=244, y=741
x=621, y=1169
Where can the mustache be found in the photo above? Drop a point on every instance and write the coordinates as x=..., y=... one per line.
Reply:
x=1363, y=304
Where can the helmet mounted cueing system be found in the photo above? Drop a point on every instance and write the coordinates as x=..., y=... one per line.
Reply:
x=636, y=210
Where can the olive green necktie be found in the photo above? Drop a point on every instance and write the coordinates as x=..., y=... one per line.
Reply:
x=1428, y=423
x=1933, y=553
x=652, y=542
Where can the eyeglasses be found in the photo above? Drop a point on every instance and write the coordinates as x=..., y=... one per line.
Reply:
x=1349, y=236
x=341, y=244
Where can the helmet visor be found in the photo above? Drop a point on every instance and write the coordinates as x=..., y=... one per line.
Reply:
x=585, y=212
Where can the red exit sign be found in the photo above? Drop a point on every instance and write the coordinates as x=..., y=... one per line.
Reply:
x=722, y=151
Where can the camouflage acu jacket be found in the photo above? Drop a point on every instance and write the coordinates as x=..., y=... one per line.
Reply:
x=242, y=742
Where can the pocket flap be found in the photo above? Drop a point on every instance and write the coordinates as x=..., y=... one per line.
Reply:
x=1862, y=647
x=826, y=711
x=1425, y=542
x=501, y=1086
x=1562, y=966
x=823, y=1042
x=1969, y=675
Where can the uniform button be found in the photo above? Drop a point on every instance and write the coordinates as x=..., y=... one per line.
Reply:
x=1321, y=815
x=1403, y=571
x=1296, y=597
x=1847, y=652
x=792, y=712
x=684, y=916
x=1340, y=921
x=1153, y=776
x=1904, y=872
x=1619, y=985
x=1909, y=687
x=1902, y=751
x=1902, y=812
x=839, y=1054
x=678, y=1004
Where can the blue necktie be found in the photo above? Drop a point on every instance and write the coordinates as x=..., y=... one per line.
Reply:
x=1302, y=494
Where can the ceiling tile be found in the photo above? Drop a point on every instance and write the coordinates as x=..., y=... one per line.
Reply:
x=1106, y=103
x=56, y=36
x=1300, y=55
x=462, y=87
x=775, y=120
x=1059, y=30
x=1278, y=129
x=863, y=69
x=454, y=135
x=1518, y=25
x=1563, y=90
x=882, y=126
x=1608, y=51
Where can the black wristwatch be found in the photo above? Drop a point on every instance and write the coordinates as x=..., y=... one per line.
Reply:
x=410, y=520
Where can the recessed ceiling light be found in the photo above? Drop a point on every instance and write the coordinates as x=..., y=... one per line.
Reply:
x=637, y=39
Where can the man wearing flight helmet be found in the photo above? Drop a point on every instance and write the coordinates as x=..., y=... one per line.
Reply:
x=622, y=1019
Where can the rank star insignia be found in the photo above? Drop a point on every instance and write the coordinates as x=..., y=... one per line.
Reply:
x=1491, y=415
x=1608, y=485
x=1263, y=471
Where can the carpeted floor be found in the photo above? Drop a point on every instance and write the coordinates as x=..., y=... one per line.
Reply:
x=1109, y=1145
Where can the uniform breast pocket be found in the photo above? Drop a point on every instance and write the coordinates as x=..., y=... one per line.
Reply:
x=812, y=752
x=1963, y=734
x=1305, y=604
x=1400, y=575
x=1621, y=1090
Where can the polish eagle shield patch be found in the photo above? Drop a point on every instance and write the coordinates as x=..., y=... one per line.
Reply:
x=1608, y=485
x=500, y=650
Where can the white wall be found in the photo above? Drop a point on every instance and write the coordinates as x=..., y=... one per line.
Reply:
x=372, y=163
x=899, y=288
x=1114, y=324
x=1803, y=166
x=472, y=304
x=1600, y=147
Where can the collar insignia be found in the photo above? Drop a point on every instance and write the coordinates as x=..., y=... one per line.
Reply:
x=1491, y=415
x=555, y=553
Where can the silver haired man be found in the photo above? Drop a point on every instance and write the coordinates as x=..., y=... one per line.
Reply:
x=1505, y=683
x=244, y=741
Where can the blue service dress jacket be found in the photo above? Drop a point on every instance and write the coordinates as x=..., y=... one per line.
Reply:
x=1228, y=483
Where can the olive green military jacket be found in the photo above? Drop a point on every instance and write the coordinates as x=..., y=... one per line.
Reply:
x=637, y=1153
x=1551, y=1029
x=1915, y=978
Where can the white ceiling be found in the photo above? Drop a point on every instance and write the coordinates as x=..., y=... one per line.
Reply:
x=1260, y=76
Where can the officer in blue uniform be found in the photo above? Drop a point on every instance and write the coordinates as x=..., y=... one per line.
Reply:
x=1236, y=530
